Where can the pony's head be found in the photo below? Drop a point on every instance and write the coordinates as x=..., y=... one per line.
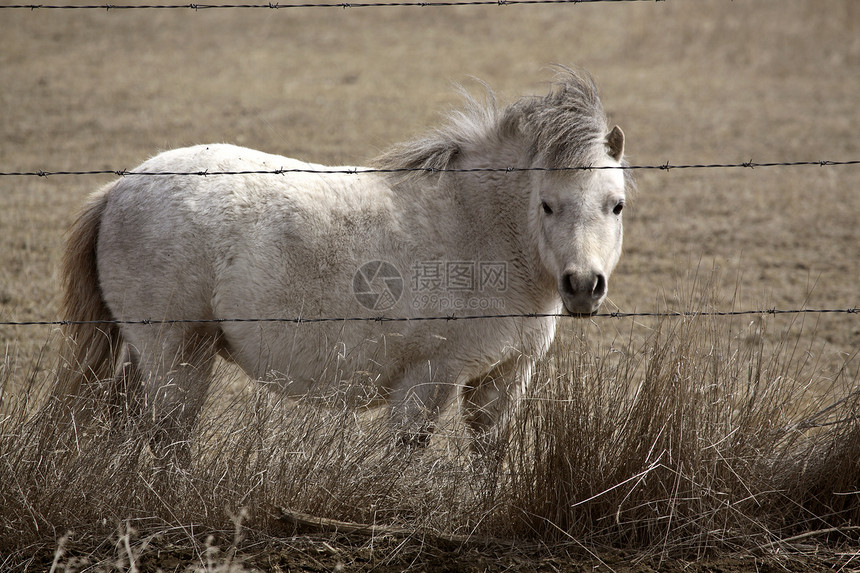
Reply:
x=578, y=226
x=576, y=213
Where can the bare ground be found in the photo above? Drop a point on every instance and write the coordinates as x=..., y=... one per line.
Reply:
x=395, y=556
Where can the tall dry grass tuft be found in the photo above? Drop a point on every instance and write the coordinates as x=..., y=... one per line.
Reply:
x=700, y=438
x=703, y=438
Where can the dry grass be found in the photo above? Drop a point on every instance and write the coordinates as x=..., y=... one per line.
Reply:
x=695, y=443
x=673, y=437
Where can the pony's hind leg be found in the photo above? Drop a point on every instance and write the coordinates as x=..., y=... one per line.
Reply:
x=124, y=393
x=176, y=371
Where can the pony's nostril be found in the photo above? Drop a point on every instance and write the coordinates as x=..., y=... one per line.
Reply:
x=569, y=284
x=599, y=289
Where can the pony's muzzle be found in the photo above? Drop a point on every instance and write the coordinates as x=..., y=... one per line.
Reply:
x=582, y=293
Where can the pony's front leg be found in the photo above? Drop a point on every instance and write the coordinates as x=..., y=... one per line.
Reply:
x=488, y=404
x=417, y=399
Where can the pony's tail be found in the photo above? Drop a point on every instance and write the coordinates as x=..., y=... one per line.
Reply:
x=90, y=350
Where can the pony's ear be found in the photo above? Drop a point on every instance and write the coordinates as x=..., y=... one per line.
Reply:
x=615, y=142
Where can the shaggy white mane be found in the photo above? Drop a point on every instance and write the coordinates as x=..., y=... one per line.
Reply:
x=565, y=128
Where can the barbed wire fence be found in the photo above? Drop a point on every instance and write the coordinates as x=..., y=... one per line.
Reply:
x=197, y=7
x=448, y=317
x=276, y=6
x=437, y=318
x=360, y=170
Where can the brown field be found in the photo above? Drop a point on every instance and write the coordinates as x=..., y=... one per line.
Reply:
x=695, y=81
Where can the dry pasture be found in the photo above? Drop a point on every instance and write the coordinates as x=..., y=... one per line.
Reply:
x=690, y=81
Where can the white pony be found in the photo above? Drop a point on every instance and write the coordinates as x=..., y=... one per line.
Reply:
x=451, y=237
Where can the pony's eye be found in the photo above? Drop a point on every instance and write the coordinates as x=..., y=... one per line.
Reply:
x=546, y=208
x=618, y=208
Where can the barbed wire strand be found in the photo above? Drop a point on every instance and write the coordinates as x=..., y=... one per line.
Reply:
x=196, y=7
x=446, y=318
x=361, y=170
